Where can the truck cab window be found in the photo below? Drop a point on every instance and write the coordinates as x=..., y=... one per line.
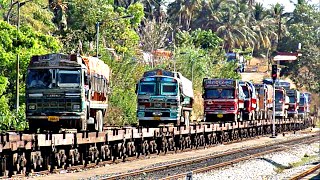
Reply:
x=39, y=78
x=69, y=78
x=147, y=88
x=169, y=89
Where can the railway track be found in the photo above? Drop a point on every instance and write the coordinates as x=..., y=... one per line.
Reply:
x=306, y=173
x=128, y=159
x=29, y=154
x=207, y=163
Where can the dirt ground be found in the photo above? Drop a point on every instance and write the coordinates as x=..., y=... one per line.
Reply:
x=144, y=162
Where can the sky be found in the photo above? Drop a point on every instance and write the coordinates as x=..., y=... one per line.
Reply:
x=288, y=6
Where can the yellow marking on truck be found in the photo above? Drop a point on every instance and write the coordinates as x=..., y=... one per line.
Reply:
x=53, y=118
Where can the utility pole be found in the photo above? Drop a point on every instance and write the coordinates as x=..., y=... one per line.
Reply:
x=17, y=62
x=274, y=74
x=19, y=5
x=97, y=40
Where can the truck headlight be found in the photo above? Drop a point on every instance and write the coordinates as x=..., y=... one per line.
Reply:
x=232, y=108
x=141, y=106
x=76, y=106
x=32, y=107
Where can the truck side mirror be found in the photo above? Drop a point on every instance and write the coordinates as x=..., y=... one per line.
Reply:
x=136, y=90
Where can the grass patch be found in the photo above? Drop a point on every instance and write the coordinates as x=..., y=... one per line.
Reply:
x=306, y=158
x=318, y=123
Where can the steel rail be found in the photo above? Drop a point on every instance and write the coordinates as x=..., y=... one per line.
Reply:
x=305, y=173
x=199, y=159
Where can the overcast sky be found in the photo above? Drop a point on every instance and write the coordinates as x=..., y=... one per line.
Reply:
x=288, y=6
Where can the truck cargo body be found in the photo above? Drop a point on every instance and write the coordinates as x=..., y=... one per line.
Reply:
x=223, y=100
x=308, y=98
x=164, y=97
x=281, y=102
x=250, y=101
x=62, y=92
x=294, y=99
x=304, y=106
x=265, y=96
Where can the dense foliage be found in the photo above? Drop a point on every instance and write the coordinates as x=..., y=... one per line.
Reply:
x=26, y=43
x=198, y=32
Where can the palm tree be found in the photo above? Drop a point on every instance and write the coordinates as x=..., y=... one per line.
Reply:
x=210, y=14
x=262, y=25
x=183, y=12
x=233, y=26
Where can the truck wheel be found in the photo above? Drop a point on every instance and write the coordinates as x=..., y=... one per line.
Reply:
x=187, y=118
x=241, y=116
x=83, y=124
x=99, y=121
x=33, y=127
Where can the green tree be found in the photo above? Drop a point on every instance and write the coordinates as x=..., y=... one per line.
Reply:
x=27, y=43
x=115, y=32
x=303, y=27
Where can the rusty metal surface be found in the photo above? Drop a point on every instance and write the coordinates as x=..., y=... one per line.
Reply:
x=13, y=141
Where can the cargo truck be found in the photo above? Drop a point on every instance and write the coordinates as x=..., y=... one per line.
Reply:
x=223, y=100
x=164, y=97
x=265, y=103
x=66, y=92
x=294, y=99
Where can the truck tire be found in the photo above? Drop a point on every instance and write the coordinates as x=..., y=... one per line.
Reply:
x=32, y=127
x=187, y=118
x=241, y=116
x=83, y=124
x=99, y=121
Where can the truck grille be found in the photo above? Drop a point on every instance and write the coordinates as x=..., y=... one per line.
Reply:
x=56, y=104
x=221, y=106
x=278, y=107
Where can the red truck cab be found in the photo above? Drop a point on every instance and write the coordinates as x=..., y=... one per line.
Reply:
x=223, y=100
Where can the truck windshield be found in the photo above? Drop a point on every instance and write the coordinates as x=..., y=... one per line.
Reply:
x=246, y=91
x=39, y=78
x=169, y=89
x=147, y=88
x=291, y=99
x=220, y=94
x=69, y=78
x=301, y=103
x=279, y=96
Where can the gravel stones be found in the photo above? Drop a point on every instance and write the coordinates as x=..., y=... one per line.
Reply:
x=272, y=166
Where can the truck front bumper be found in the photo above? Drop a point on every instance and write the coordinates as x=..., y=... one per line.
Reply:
x=157, y=119
x=279, y=113
x=60, y=116
x=221, y=112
